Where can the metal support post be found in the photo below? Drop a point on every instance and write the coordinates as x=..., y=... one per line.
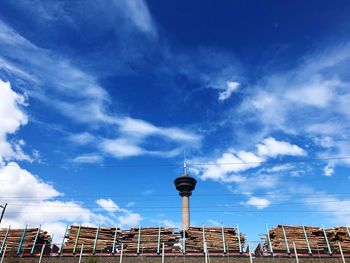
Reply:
x=81, y=252
x=326, y=238
x=21, y=242
x=41, y=253
x=239, y=240
x=76, y=240
x=341, y=252
x=139, y=241
x=184, y=240
x=95, y=242
x=121, y=253
x=3, y=211
x=307, y=241
x=295, y=253
x=347, y=229
x=223, y=239
x=63, y=239
x=158, y=241
x=114, y=239
x=36, y=238
x=250, y=253
x=163, y=252
x=3, y=254
x=204, y=242
x=268, y=239
x=5, y=239
x=286, y=240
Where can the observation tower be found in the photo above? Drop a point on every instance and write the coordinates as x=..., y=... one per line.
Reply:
x=185, y=185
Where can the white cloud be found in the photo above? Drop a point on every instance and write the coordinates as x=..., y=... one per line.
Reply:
x=82, y=138
x=88, y=158
x=324, y=141
x=226, y=167
x=78, y=95
x=130, y=219
x=109, y=205
x=120, y=148
x=31, y=199
x=317, y=93
x=332, y=207
x=230, y=88
x=259, y=203
x=328, y=170
x=270, y=147
x=138, y=13
x=12, y=117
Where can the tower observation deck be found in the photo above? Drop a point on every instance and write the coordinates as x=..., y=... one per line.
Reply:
x=185, y=185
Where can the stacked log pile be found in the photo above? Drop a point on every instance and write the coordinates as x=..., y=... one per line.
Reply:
x=149, y=240
x=315, y=235
x=342, y=235
x=214, y=240
x=14, y=237
x=78, y=235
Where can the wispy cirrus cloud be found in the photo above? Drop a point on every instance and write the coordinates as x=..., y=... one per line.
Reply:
x=78, y=96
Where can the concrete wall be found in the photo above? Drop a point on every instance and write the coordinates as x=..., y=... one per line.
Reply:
x=170, y=260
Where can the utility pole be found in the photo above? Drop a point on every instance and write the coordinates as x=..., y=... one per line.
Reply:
x=3, y=211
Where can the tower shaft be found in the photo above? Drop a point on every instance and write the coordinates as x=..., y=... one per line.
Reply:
x=185, y=185
x=185, y=212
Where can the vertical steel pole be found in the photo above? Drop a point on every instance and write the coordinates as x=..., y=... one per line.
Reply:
x=5, y=239
x=76, y=240
x=268, y=239
x=121, y=253
x=21, y=242
x=63, y=239
x=326, y=238
x=114, y=239
x=3, y=211
x=295, y=253
x=347, y=229
x=204, y=242
x=223, y=239
x=205, y=252
x=285, y=240
x=307, y=241
x=163, y=253
x=239, y=240
x=158, y=241
x=341, y=252
x=81, y=252
x=184, y=240
x=250, y=253
x=138, y=241
x=95, y=242
x=3, y=254
x=36, y=238
x=41, y=253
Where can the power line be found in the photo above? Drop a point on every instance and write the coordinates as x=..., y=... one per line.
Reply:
x=211, y=195
x=176, y=207
x=197, y=164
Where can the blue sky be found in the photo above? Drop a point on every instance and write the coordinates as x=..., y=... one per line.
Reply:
x=100, y=100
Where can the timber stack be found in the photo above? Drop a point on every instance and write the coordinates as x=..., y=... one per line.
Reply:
x=307, y=239
x=24, y=241
x=217, y=239
x=95, y=239
x=149, y=240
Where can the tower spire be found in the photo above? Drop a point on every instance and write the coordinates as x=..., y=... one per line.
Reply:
x=185, y=164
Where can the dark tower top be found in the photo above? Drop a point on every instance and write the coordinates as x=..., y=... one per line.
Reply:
x=185, y=185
